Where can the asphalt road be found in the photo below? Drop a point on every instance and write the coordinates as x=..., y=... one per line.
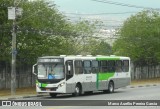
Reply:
x=139, y=93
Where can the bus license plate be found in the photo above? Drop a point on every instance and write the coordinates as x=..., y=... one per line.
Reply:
x=47, y=89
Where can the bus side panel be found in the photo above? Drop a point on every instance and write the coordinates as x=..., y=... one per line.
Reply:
x=121, y=82
x=70, y=85
x=88, y=82
x=121, y=79
x=103, y=85
x=94, y=83
x=78, y=78
x=85, y=80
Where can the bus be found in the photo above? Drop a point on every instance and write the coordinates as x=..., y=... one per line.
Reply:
x=81, y=74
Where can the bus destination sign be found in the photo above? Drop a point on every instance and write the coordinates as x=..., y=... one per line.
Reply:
x=49, y=60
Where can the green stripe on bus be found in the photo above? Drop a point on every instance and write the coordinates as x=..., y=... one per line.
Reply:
x=41, y=84
x=100, y=59
x=103, y=76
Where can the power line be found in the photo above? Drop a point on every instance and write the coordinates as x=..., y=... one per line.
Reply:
x=100, y=13
x=123, y=4
x=94, y=19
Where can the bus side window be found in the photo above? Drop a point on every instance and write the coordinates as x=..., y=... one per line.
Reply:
x=95, y=66
x=111, y=66
x=78, y=67
x=104, y=66
x=125, y=65
x=118, y=66
x=87, y=67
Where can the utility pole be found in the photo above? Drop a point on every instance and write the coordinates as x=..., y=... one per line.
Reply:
x=13, y=64
x=12, y=16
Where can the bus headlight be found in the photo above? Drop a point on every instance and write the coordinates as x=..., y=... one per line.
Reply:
x=60, y=85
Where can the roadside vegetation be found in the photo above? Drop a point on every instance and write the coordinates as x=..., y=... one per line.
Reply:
x=140, y=38
x=42, y=30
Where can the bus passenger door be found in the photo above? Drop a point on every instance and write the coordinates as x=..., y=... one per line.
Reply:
x=69, y=76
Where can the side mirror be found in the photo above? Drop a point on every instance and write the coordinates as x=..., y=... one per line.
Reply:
x=69, y=68
x=34, y=69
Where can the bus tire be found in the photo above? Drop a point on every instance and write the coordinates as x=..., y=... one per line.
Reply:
x=111, y=87
x=105, y=91
x=88, y=92
x=78, y=90
x=53, y=95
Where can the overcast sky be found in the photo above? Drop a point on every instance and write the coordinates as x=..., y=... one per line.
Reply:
x=94, y=7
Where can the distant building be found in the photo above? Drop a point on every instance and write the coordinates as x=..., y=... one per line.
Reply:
x=110, y=35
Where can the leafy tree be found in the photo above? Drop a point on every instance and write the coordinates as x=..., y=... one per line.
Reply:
x=140, y=38
x=95, y=47
x=99, y=47
x=5, y=33
x=85, y=31
x=41, y=30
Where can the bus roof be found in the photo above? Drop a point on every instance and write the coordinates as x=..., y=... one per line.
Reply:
x=98, y=57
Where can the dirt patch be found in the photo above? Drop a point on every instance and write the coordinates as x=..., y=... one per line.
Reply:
x=19, y=91
x=146, y=81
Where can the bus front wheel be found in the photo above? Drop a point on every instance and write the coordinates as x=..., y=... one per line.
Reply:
x=53, y=95
x=77, y=90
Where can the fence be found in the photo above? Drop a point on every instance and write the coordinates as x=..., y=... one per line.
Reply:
x=25, y=78
x=145, y=72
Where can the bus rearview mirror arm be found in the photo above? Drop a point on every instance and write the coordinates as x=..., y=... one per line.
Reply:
x=33, y=69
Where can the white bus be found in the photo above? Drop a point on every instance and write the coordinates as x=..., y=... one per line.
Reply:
x=81, y=74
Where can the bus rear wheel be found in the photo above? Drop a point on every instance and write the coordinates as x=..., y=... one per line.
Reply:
x=77, y=90
x=111, y=87
x=53, y=95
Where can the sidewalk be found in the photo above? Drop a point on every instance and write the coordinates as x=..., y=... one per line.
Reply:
x=30, y=92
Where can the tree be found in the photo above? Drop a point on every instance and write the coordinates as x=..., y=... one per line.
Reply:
x=5, y=31
x=41, y=30
x=140, y=38
x=38, y=30
x=95, y=47
x=85, y=31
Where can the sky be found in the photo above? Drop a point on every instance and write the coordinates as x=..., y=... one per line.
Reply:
x=93, y=7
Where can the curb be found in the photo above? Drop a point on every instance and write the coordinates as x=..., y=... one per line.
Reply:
x=146, y=85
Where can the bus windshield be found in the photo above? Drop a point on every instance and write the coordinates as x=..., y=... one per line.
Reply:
x=50, y=71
